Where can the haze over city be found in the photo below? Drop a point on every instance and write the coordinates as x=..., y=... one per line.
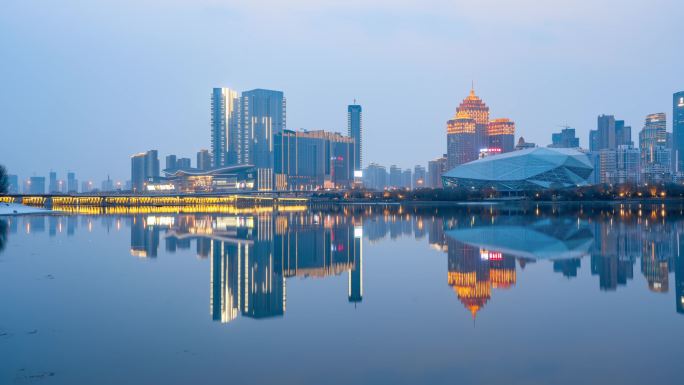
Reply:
x=87, y=85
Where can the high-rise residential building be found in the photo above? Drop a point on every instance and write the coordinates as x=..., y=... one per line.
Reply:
x=419, y=176
x=406, y=179
x=203, y=160
x=678, y=130
x=501, y=134
x=13, y=184
x=355, y=131
x=144, y=168
x=307, y=160
x=436, y=168
x=53, y=187
x=607, y=166
x=375, y=177
x=262, y=114
x=36, y=185
x=72, y=183
x=565, y=139
x=171, y=162
x=87, y=186
x=395, y=179
x=224, y=103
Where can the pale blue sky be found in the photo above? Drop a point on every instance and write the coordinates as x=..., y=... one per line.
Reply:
x=84, y=84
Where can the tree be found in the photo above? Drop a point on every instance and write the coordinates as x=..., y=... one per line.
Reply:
x=4, y=180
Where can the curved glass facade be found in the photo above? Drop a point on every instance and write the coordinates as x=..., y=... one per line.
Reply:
x=531, y=169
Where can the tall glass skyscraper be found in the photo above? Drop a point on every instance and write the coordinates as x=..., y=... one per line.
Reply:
x=678, y=129
x=262, y=115
x=223, y=126
x=355, y=130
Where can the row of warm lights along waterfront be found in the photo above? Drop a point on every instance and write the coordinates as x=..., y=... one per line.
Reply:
x=250, y=148
x=256, y=287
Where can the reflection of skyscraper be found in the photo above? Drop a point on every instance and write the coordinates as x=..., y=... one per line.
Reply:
x=679, y=275
x=567, y=267
x=356, y=273
x=144, y=238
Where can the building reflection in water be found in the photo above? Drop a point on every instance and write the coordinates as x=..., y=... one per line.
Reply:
x=251, y=256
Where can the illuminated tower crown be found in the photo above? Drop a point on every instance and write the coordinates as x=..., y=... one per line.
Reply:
x=475, y=108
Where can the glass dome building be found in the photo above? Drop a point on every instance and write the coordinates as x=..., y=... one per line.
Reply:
x=531, y=169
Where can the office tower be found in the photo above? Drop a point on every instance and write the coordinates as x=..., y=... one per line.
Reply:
x=501, y=134
x=406, y=179
x=72, y=183
x=609, y=133
x=306, y=160
x=375, y=177
x=473, y=107
x=565, y=139
x=203, y=160
x=36, y=185
x=461, y=140
x=419, y=177
x=223, y=126
x=262, y=114
x=608, y=166
x=171, y=163
x=144, y=168
x=151, y=164
x=138, y=172
x=53, y=187
x=13, y=184
x=655, y=154
x=628, y=168
x=183, y=164
x=355, y=131
x=395, y=176
x=678, y=130
x=436, y=168
x=623, y=134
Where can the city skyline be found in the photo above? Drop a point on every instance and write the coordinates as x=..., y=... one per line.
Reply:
x=614, y=79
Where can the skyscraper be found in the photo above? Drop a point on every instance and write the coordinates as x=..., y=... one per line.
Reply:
x=171, y=162
x=144, y=167
x=461, y=140
x=223, y=126
x=678, y=130
x=474, y=108
x=72, y=183
x=419, y=176
x=609, y=133
x=262, y=114
x=53, y=187
x=13, y=184
x=355, y=130
x=501, y=134
x=655, y=154
x=395, y=176
x=37, y=185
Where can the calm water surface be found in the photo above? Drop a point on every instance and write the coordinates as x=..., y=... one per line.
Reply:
x=481, y=294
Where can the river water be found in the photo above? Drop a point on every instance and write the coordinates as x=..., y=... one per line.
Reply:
x=495, y=294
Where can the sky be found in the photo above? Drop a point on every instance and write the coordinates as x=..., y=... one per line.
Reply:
x=86, y=84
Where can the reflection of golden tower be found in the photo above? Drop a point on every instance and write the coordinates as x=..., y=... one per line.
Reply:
x=473, y=293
